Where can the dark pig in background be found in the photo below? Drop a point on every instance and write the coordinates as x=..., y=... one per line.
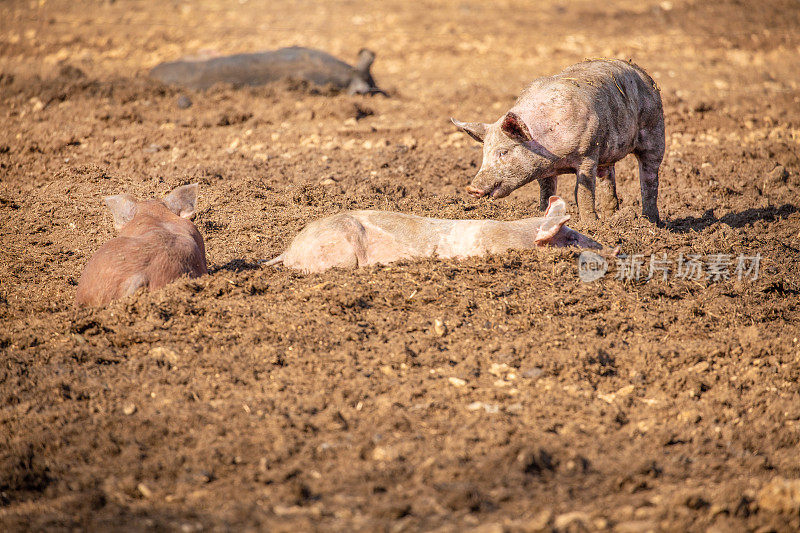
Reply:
x=294, y=63
x=582, y=120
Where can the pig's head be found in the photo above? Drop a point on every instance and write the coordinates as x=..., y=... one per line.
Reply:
x=511, y=157
x=362, y=82
x=181, y=202
x=553, y=232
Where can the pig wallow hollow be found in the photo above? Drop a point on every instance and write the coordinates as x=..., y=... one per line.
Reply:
x=157, y=244
x=293, y=63
x=582, y=120
x=357, y=238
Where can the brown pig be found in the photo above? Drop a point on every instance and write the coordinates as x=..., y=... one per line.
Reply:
x=358, y=238
x=157, y=244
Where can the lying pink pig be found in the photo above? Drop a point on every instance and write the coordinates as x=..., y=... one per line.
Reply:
x=357, y=238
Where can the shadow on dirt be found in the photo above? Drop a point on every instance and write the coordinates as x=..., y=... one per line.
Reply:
x=734, y=220
x=236, y=265
x=110, y=516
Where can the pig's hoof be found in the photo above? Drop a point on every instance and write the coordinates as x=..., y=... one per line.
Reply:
x=589, y=218
x=609, y=209
x=654, y=219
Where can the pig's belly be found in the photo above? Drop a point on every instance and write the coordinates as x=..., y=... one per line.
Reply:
x=616, y=147
x=464, y=239
x=384, y=247
x=389, y=239
x=444, y=239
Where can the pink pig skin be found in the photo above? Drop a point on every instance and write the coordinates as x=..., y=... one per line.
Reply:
x=358, y=238
x=157, y=244
x=582, y=121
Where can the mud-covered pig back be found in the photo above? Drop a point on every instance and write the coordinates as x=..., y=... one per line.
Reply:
x=295, y=63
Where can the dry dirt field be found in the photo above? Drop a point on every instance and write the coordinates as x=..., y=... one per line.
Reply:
x=257, y=398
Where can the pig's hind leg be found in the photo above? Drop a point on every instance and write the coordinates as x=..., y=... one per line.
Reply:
x=650, y=146
x=648, y=181
x=133, y=284
x=338, y=251
x=607, y=183
x=338, y=243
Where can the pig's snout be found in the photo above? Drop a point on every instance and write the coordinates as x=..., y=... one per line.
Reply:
x=483, y=185
x=474, y=191
x=495, y=191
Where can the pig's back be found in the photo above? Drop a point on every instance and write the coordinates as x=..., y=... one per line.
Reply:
x=257, y=69
x=172, y=255
x=602, y=102
x=151, y=260
x=615, y=82
x=594, y=77
x=594, y=84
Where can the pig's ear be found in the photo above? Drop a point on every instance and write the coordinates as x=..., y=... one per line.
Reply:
x=122, y=207
x=514, y=127
x=183, y=201
x=476, y=130
x=556, y=207
x=365, y=59
x=550, y=229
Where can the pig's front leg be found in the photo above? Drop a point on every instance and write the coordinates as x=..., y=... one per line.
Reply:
x=584, y=189
x=607, y=183
x=547, y=188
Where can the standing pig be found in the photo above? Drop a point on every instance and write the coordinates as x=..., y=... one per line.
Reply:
x=157, y=244
x=295, y=63
x=358, y=238
x=582, y=120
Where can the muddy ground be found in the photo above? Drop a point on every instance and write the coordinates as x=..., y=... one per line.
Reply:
x=260, y=398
